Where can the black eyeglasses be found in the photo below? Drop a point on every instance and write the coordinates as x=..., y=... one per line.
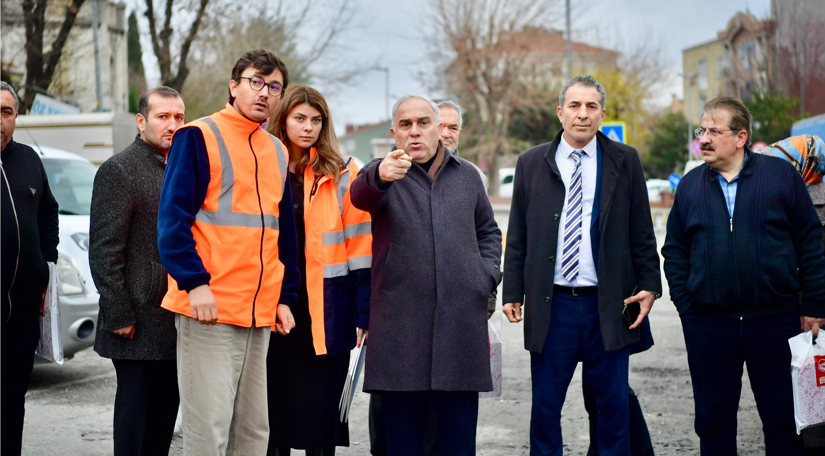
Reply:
x=258, y=83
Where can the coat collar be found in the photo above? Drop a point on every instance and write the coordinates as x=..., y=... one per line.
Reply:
x=235, y=121
x=148, y=150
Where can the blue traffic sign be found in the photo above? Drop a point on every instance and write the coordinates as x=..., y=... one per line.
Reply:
x=674, y=179
x=614, y=130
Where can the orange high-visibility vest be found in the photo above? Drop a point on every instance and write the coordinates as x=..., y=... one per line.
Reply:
x=236, y=228
x=338, y=240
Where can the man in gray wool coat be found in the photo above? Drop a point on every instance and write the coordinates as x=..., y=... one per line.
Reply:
x=436, y=255
x=132, y=329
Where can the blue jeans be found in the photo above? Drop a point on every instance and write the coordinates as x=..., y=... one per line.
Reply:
x=717, y=347
x=575, y=335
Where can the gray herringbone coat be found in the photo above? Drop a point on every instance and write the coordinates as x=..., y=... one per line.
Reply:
x=123, y=255
x=435, y=258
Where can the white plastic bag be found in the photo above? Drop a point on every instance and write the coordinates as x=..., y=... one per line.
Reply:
x=808, y=374
x=494, y=339
x=50, y=346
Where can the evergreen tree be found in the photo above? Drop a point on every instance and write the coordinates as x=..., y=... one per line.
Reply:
x=137, y=74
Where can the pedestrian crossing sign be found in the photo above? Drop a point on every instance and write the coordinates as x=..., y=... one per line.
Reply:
x=614, y=130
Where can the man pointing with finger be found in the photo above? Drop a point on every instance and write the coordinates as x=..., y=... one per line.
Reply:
x=580, y=245
x=436, y=255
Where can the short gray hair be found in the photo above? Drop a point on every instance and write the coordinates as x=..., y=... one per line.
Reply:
x=585, y=80
x=5, y=86
x=407, y=98
x=451, y=104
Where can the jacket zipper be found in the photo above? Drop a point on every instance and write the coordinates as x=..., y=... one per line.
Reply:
x=17, y=224
x=263, y=228
x=731, y=241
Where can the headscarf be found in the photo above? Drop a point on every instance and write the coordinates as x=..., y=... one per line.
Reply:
x=805, y=152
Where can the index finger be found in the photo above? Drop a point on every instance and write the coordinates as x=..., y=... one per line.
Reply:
x=396, y=153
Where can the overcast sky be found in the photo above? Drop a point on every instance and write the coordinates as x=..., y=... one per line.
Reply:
x=673, y=24
x=395, y=34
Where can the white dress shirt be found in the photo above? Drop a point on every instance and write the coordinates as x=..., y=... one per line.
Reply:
x=587, y=268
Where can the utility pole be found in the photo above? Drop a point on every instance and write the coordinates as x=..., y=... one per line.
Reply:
x=802, y=71
x=568, y=48
x=98, y=108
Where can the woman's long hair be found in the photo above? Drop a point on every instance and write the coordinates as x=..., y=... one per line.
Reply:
x=327, y=160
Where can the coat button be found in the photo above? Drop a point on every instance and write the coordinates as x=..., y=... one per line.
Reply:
x=547, y=299
x=295, y=206
x=556, y=217
x=553, y=258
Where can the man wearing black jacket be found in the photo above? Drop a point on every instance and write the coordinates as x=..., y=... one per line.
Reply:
x=30, y=237
x=132, y=329
x=746, y=270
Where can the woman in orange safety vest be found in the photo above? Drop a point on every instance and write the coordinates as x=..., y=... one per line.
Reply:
x=307, y=368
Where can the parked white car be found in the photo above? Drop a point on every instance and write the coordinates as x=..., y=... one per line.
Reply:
x=505, y=182
x=71, y=178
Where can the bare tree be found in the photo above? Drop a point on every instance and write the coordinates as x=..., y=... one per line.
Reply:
x=288, y=29
x=40, y=64
x=486, y=57
x=163, y=41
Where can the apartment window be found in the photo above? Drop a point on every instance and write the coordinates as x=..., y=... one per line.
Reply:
x=720, y=66
x=703, y=74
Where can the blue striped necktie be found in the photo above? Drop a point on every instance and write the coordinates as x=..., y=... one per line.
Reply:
x=573, y=223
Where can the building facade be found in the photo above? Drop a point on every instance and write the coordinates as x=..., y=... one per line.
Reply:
x=74, y=79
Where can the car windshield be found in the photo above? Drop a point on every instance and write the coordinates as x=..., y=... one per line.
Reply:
x=71, y=182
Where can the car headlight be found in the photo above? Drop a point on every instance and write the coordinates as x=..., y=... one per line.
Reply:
x=82, y=240
x=69, y=280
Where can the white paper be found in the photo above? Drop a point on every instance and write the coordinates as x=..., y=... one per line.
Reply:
x=50, y=346
x=356, y=365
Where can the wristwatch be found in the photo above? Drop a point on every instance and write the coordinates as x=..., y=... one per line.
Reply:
x=656, y=295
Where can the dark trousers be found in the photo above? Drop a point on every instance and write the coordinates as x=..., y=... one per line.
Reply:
x=405, y=414
x=19, y=340
x=574, y=336
x=378, y=429
x=717, y=347
x=146, y=405
x=640, y=444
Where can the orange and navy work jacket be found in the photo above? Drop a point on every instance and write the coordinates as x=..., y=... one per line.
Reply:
x=339, y=257
x=225, y=219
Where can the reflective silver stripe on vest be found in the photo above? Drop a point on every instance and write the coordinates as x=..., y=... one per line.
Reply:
x=227, y=172
x=362, y=262
x=224, y=216
x=281, y=160
x=332, y=238
x=335, y=270
x=343, y=185
x=359, y=229
x=221, y=218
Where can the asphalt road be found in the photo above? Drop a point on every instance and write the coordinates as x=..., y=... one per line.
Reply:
x=69, y=408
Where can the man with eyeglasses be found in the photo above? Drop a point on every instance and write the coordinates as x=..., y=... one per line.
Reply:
x=226, y=235
x=744, y=261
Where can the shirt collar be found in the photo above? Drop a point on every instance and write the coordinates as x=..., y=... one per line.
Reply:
x=744, y=162
x=567, y=149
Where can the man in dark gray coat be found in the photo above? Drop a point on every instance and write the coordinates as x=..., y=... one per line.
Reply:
x=133, y=330
x=436, y=254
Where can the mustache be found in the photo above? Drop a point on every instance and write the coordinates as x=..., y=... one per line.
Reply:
x=708, y=147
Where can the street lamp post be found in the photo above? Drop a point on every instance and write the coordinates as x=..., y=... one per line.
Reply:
x=691, y=80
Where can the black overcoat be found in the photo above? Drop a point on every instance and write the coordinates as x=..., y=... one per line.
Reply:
x=124, y=259
x=624, y=248
x=435, y=259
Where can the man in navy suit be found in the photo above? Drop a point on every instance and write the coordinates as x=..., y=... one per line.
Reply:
x=580, y=241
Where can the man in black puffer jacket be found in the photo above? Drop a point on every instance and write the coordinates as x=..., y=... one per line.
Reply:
x=30, y=237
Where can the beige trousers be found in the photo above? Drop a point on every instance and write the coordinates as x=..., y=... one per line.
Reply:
x=222, y=381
